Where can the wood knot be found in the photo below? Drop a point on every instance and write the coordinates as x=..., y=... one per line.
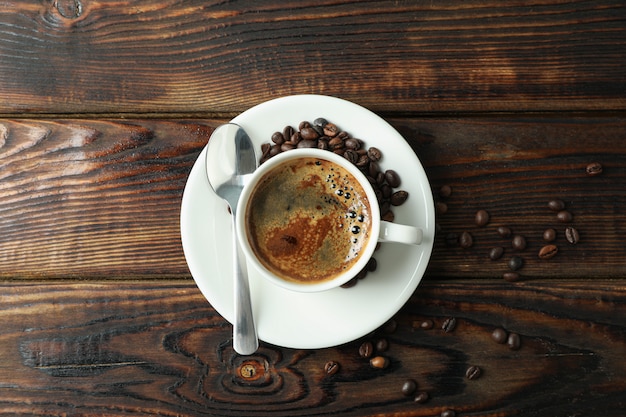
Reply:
x=251, y=370
x=69, y=9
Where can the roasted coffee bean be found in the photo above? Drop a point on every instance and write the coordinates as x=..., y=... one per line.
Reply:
x=548, y=251
x=322, y=144
x=331, y=130
x=304, y=125
x=466, y=240
x=374, y=154
x=593, y=169
x=448, y=324
x=398, y=198
x=320, y=121
x=379, y=362
x=426, y=324
x=350, y=283
x=389, y=216
x=372, y=169
x=473, y=372
x=564, y=216
x=287, y=146
x=372, y=264
x=482, y=218
x=288, y=131
x=307, y=143
x=571, y=235
x=382, y=345
x=511, y=276
x=504, y=231
x=515, y=263
x=556, y=205
x=331, y=368
x=549, y=235
x=392, y=177
x=448, y=413
x=351, y=156
x=308, y=133
x=387, y=190
x=390, y=327
x=499, y=335
x=513, y=341
x=366, y=350
x=380, y=179
x=335, y=143
x=265, y=149
x=518, y=242
x=421, y=397
x=278, y=138
x=275, y=150
x=445, y=191
x=496, y=253
x=352, y=143
x=441, y=207
x=296, y=138
x=363, y=161
x=409, y=387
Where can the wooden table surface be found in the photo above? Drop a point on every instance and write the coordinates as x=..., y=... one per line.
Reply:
x=105, y=106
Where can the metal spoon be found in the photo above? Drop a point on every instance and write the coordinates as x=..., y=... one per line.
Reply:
x=230, y=156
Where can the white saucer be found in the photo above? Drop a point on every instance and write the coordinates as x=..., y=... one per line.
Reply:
x=311, y=320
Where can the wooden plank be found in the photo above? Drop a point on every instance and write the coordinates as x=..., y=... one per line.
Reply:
x=101, y=198
x=222, y=57
x=157, y=347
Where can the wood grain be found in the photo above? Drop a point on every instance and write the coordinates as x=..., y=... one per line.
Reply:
x=101, y=198
x=157, y=347
x=167, y=56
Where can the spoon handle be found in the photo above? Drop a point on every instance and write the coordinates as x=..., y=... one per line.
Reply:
x=245, y=341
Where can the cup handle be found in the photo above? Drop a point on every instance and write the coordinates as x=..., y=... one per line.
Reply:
x=401, y=233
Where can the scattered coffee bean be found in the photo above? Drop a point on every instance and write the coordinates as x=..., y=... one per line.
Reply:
x=499, y=335
x=473, y=372
x=421, y=397
x=331, y=368
x=466, y=240
x=409, y=387
x=496, y=253
x=564, y=216
x=374, y=154
x=482, y=218
x=518, y=242
x=448, y=413
x=511, y=276
x=390, y=327
x=515, y=263
x=382, y=345
x=448, y=324
x=445, y=191
x=556, y=205
x=379, y=362
x=398, y=198
x=366, y=350
x=392, y=177
x=571, y=235
x=442, y=208
x=513, y=341
x=504, y=231
x=372, y=264
x=549, y=235
x=593, y=169
x=548, y=251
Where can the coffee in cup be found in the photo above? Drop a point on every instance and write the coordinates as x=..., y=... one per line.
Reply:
x=309, y=220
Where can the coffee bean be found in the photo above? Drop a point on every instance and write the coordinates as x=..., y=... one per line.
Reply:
x=421, y=397
x=409, y=387
x=499, y=335
x=351, y=156
x=564, y=216
x=379, y=362
x=331, y=368
x=548, y=251
x=287, y=146
x=390, y=327
x=335, y=144
x=304, y=125
x=466, y=240
x=549, y=235
x=320, y=121
x=307, y=143
x=518, y=242
x=322, y=144
x=496, y=253
x=556, y=205
x=449, y=324
x=448, y=413
x=392, y=177
x=389, y=216
x=352, y=143
x=473, y=372
x=331, y=130
x=426, y=324
x=571, y=235
x=296, y=138
x=374, y=154
x=366, y=350
x=350, y=283
x=445, y=191
x=278, y=138
x=288, y=131
x=515, y=263
x=593, y=169
x=511, y=276
x=441, y=207
x=504, y=231
x=513, y=341
x=398, y=198
x=382, y=345
x=363, y=161
x=482, y=218
x=372, y=264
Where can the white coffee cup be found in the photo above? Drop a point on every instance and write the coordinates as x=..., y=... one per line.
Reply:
x=378, y=231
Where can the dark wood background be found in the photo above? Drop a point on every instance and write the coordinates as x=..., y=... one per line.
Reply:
x=105, y=105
